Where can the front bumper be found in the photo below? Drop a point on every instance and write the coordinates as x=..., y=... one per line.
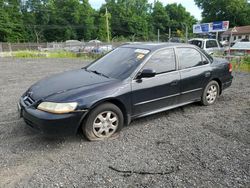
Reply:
x=51, y=124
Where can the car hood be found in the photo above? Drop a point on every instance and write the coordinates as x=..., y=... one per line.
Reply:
x=66, y=81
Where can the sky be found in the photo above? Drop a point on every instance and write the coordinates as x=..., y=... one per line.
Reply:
x=188, y=4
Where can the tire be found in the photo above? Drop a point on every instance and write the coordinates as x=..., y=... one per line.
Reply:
x=103, y=122
x=210, y=93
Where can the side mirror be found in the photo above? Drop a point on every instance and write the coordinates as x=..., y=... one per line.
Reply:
x=146, y=73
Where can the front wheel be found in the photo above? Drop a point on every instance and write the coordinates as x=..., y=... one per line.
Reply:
x=210, y=93
x=103, y=122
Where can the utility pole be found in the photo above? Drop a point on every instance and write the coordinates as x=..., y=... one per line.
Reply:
x=158, y=35
x=107, y=24
x=217, y=35
x=186, y=33
x=233, y=30
x=169, y=34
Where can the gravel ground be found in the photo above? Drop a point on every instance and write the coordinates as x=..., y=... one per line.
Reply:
x=191, y=146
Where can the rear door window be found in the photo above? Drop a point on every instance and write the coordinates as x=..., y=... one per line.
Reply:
x=190, y=57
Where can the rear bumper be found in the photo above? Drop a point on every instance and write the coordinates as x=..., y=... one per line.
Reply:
x=227, y=83
x=51, y=124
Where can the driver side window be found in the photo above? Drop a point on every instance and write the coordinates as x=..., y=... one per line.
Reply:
x=162, y=61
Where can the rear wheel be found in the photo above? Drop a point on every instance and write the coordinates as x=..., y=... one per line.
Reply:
x=210, y=93
x=103, y=122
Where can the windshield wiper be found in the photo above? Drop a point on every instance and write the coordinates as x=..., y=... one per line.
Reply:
x=96, y=72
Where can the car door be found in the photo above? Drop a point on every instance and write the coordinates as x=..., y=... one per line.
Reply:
x=160, y=91
x=195, y=72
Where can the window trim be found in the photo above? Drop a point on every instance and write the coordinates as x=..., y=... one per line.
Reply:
x=202, y=55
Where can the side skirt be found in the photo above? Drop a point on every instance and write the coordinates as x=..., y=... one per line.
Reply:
x=163, y=109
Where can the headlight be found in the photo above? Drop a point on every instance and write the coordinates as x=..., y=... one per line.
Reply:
x=57, y=108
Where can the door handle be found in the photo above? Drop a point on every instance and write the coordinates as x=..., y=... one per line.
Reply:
x=174, y=83
x=207, y=74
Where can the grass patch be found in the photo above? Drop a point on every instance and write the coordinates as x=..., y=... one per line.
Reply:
x=61, y=54
x=243, y=66
x=28, y=54
x=54, y=54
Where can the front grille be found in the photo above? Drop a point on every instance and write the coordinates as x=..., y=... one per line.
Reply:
x=28, y=100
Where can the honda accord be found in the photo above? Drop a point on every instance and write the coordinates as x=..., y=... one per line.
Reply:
x=132, y=81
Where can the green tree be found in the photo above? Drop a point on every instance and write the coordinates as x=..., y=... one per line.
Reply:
x=86, y=18
x=129, y=18
x=179, y=17
x=5, y=27
x=237, y=12
x=101, y=25
x=65, y=19
x=35, y=18
x=159, y=18
x=11, y=23
x=60, y=20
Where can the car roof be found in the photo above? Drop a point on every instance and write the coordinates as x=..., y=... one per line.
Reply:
x=154, y=46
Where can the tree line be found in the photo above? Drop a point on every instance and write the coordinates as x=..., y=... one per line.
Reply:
x=60, y=20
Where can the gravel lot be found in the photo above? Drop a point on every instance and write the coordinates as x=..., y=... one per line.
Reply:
x=191, y=146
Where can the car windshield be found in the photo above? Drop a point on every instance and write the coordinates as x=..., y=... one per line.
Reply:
x=120, y=63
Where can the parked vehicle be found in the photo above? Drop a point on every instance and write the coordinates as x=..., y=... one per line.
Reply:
x=92, y=46
x=176, y=39
x=211, y=46
x=102, y=49
x=73, y=46
x=52, y=47
x=132, y=81
x=239, y=49
x=95, y=41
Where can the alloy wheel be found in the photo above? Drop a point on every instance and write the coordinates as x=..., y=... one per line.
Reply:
x=105, y=124
x=211, y=94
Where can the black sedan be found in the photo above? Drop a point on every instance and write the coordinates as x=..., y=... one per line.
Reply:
x=132, y=81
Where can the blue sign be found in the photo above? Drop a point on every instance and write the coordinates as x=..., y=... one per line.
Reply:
x=211, y=27
x=205, y=28
x=217, y=26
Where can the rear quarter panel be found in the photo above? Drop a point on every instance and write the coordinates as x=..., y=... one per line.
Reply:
x=221, y=70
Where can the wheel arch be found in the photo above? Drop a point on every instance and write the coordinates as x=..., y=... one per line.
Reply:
x=219, y=82
x=114, y=101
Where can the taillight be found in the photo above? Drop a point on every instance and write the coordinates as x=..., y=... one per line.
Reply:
x=230, y=67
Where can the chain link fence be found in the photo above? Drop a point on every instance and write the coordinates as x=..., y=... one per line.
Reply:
x=71, y=46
